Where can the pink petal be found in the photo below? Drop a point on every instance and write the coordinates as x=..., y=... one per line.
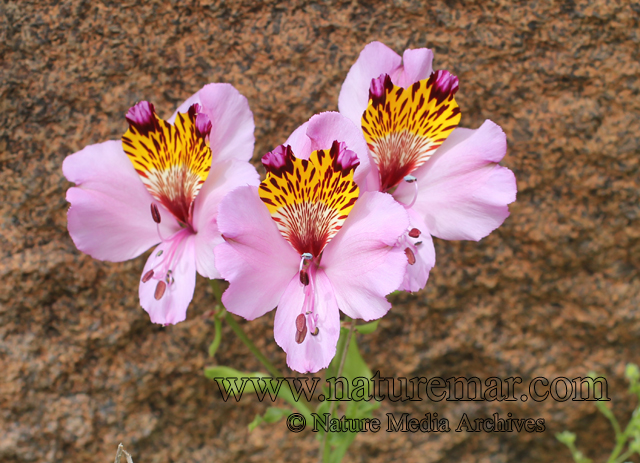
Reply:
x=463, y=193
x=315, y=352
x=416, y=275
x=110, y=214
x=256, y=260
x=362, y=261
x=171, y=308
x=231, y=135
x=223, y=177
x=322, y=130
x=416, y=66
x=375, y=59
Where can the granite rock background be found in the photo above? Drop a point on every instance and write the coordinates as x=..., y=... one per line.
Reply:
x=553, y=292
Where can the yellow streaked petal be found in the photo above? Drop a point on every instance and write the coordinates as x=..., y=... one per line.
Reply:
x=310, y=200
x=173, y=161
x=404, y=127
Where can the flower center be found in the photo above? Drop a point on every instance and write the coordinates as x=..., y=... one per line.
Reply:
x=404, y=126
x=172, y=160
x=309, y=200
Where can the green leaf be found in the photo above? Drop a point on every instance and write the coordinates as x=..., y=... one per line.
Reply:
x=368, y=328
x=272, y=415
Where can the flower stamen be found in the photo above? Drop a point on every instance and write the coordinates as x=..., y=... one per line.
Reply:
x=160, y=289
x=412, y=179
x=411, y=257
x=155, y=213
x=414, y=233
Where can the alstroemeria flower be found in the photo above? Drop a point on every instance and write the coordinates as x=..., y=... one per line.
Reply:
x=447, y=177
x=163, y=184
x=310, y=242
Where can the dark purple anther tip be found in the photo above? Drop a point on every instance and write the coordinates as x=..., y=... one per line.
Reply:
x=300, y=322
x=147, y=276
x=304, y=277
x=300, y=335
x=160, y=289
x=411, y=257
x=155, y=213
x=414, y=233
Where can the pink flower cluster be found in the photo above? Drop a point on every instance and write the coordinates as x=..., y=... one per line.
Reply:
x=344, y=217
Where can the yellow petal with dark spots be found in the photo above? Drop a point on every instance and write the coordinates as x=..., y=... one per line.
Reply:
x=404, y=127
x=172, y=160
x=310, y=200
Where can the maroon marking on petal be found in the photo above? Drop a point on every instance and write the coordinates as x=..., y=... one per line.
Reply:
x=300, y=322
x=279, y=160
x=444, y=85
x=300, y=335
x=203, y=125
x=304, y=277
x=344, y=159
x=411, y=257
x=147, y=276
x=377, y=93
x=155, y=213
x=160, y=289
x=142, y=116
x=414, y=233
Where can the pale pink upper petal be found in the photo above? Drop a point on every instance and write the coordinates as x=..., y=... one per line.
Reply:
x=375, y=59
x=463, y=193
x=315, y=352
x=416, y=275
x=256, y=260
x=362, y=261
x=231, y=135
x=110, y=214
x=416, y=66
x=224, y=176
x=322, y=130
x=171, y=308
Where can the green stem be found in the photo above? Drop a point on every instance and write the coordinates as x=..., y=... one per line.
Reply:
x=325, y=451
x=252, y=347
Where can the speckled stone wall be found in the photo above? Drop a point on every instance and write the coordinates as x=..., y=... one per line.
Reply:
x=554, y=292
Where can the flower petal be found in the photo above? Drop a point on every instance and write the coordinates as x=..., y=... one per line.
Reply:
x=231, y=135
x=315, y=352
x=416, y=66
x=223, y=177
x=256, y=260
x=416, y=275
x=362, y=262
x=375, y=59
x=463, y=193
x=171, y=308
x=322, y=130
x=110, y=214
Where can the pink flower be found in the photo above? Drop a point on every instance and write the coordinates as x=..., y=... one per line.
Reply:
x=447, y=177
x=163, y=184
x=308, y=241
